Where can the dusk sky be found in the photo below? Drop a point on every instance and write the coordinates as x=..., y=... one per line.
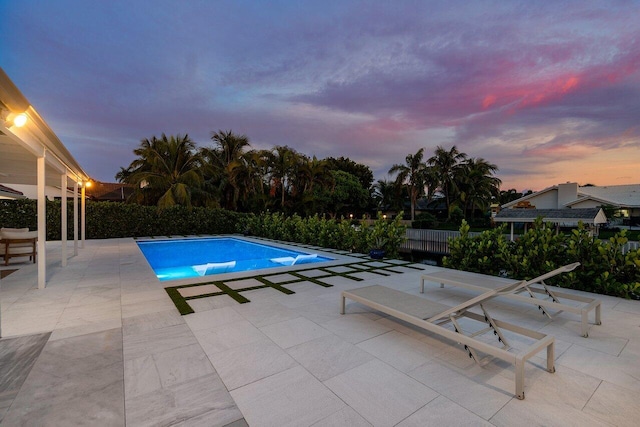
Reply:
x=549, y=91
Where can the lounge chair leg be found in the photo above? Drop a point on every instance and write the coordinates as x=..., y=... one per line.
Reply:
x=519, y=378
x=422, y=286
x=342, y=304
x=551, y=357
x=585, y=323
x=598, y=319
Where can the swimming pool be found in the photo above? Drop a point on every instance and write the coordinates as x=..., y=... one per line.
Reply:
x=184, y=258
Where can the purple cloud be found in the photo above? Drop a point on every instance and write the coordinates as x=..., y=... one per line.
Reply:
x=524, y=85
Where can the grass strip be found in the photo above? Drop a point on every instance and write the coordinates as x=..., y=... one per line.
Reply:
x=178, y=300
x=232, y=293
x=184, y=308
x=311, y=279
x=276, y=286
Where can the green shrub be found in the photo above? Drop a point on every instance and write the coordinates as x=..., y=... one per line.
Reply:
x=482, y=254
x=537, y=251
x=424, y=221
x=106, y=220
x=387, y=235
x=330, y=233
x=603, y=267
x=456, y=216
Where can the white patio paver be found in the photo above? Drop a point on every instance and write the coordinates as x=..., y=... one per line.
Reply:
x=119, y=353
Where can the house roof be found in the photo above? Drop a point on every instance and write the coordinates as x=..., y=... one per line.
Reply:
x=562, y=216
x=20, y=147
x=627, y=196
x=10, y=192
x=616, y=195
x=529, y=196
x=109, y=191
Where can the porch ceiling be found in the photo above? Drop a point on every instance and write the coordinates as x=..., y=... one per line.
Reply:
x=21, y=146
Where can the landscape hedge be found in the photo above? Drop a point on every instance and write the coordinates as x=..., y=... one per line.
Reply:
x=340, y=234
x=603, y=267
x=107, y=220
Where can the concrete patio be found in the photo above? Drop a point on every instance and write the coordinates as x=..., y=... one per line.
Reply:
x=104, y=345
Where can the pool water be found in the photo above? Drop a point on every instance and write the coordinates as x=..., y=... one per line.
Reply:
x=185, y=258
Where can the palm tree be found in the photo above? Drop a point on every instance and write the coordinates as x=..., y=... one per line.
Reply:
x=282, y=162
x=311, y=174
x=386, y=195
x=225, y=164
x=446, y=167
x=414, y=175
x=478, y=184
x=167, y=172
x=248, y=178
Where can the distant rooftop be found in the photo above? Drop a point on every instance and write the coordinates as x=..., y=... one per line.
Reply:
x=563, y=216
x=626, y=195
x=10, y=192
x=109, y=191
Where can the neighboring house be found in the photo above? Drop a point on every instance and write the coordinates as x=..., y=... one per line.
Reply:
x=109, y=192
x=98, y=191
x=31, y=191
x=10, y=193
x=626, y=198
x=593, y=217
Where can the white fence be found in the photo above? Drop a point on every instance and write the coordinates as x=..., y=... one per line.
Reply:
x=630, y=246
x=437, y=241
x=432, y=241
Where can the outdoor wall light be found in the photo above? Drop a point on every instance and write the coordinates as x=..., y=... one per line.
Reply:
x=12, y=119
x=20, y=120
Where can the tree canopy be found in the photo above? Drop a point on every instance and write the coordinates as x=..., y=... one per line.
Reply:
x=171, y=170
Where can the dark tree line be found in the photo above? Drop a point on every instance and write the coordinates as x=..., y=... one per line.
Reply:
x=171, y=170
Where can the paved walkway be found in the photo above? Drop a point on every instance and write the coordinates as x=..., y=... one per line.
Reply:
x=104, y=345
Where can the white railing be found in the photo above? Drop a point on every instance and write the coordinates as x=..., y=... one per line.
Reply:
x=432, y=241
x=630, y=246
x=437, y=241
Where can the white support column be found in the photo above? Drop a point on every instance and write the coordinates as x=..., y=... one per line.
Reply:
x=63, y=217
x=42, y=225
x=512, y=232
x=82, y=215
x=75, y=219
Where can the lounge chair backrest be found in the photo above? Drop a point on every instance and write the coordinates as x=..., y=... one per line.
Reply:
x=3, y=229
x=6, y=234
x=507, y=289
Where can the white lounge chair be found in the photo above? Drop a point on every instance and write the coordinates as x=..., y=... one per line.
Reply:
x=551, y=299
x=214, y=267
x=18, y=242
x=300, y=259
x=432, y=316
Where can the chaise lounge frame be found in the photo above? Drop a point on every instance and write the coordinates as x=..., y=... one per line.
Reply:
x=17, y=246
x=551, y=300
x=431, y=316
